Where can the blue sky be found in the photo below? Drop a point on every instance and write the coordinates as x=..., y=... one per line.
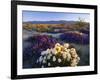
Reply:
x=55, y=16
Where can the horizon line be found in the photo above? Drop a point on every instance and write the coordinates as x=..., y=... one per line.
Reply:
x=53, y=20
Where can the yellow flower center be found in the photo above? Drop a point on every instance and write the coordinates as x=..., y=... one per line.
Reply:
x=58, y=49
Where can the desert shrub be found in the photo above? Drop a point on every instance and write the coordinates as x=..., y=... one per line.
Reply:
x=84, y=31
x=59, y=56
x=75, y=37
x=39, y=43
x=80, y=23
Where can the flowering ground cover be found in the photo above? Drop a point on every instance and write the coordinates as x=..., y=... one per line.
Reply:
x=55, y=45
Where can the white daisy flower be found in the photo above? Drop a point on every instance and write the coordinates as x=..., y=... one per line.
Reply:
x=57, y=44
x=50, y=54
x=54, y=51
x=74, y=62
x=66, y=45
x=67, y=50
x=37, y=61
x=74, y=55
x=43, y=53
x=42, y=66
x=48, y=51
x=49, y=64
x=44, y=61
x=48, y=57
x=64, y=56
x=73, y=50
x=64, y=52
x=68, y=57
x=44, y=58
x=40, y=59
x=78, y=58
x=59, y=60
x=54, y=58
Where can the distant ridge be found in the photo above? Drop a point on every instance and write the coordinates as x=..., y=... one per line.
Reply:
x=51, y=22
